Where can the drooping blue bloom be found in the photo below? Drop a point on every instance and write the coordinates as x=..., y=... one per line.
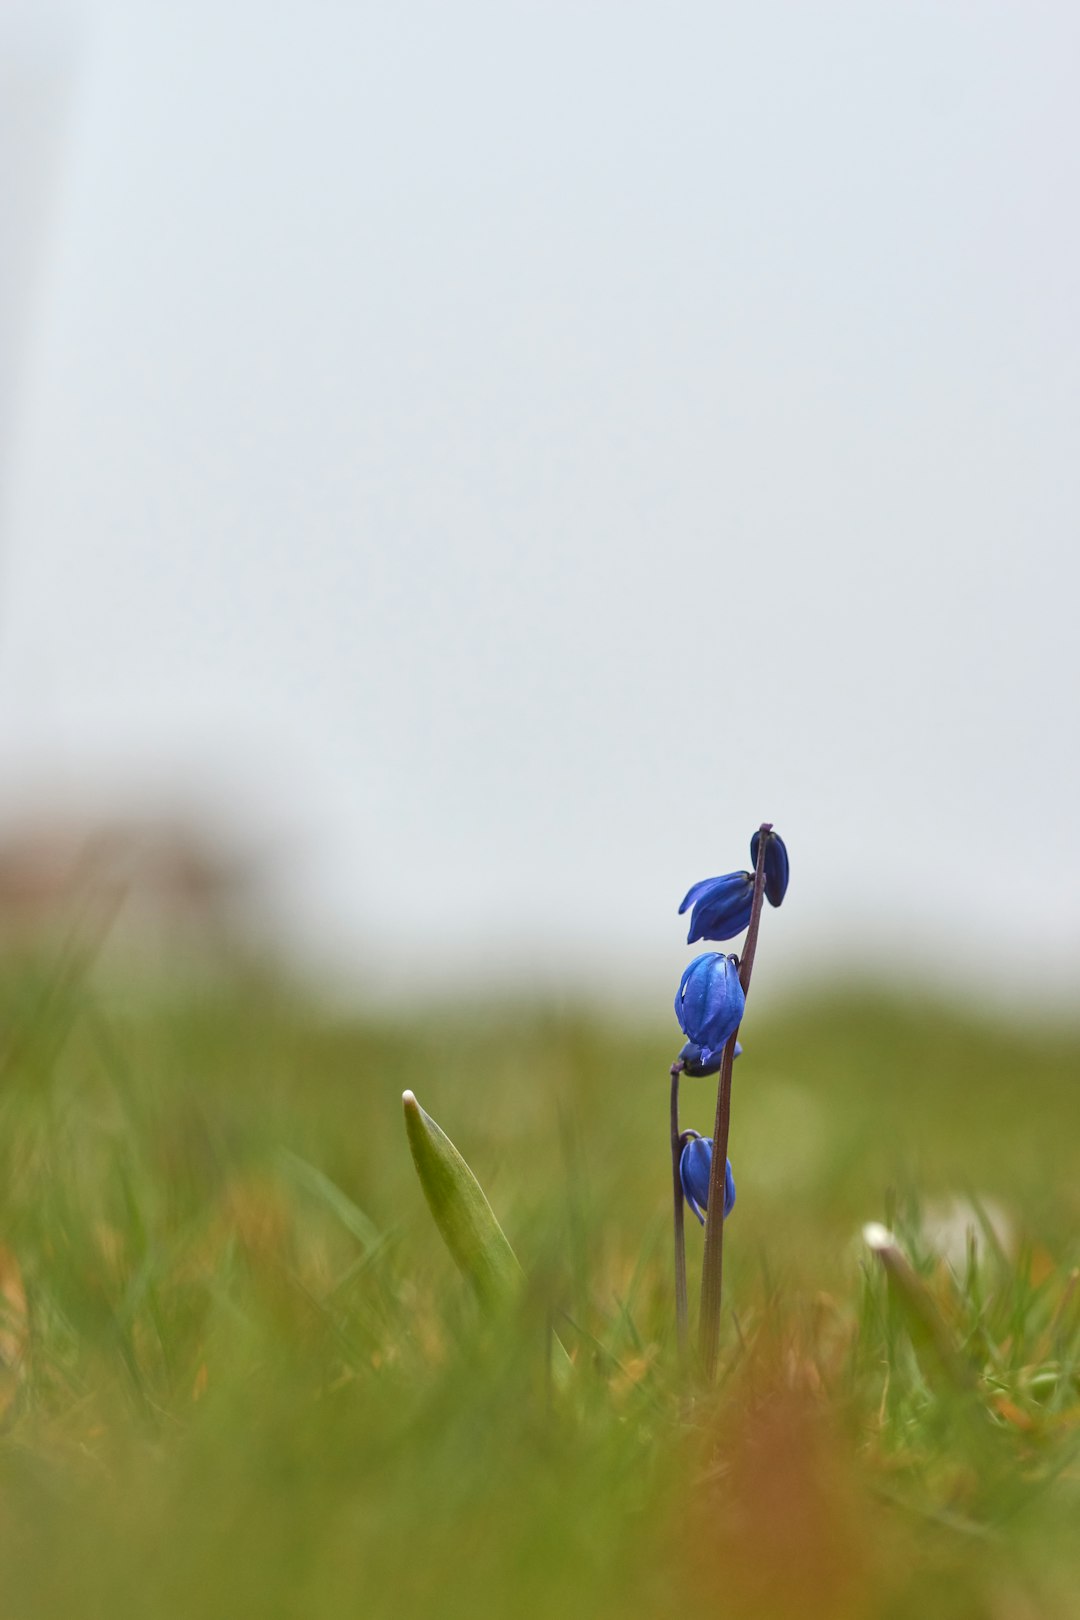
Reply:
x=695, y=1167
x=709, y=1003
x=776, y=865
x=690, y=1057
x=721, y=906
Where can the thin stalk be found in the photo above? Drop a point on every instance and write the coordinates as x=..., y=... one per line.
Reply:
x=681, y=1310
x=712, y=1267
x=746, y=964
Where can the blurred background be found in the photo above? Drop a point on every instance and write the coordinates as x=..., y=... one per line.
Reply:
x=461, y=468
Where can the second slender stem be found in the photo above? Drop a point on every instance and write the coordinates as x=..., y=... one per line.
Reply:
x=681, y=1309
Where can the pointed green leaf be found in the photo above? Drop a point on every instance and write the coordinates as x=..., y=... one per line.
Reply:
x=463, y=1215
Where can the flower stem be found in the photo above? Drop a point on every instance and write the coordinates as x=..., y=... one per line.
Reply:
x=681, y=1312
x=712, y=1266
x=712, y=1270
x=746, y=964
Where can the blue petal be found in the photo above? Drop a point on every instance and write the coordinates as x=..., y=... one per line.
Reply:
x=777, y=866
x=722, y=906
x=692, y=991
x=724, y=1003
x=696, y=1064
x=709, y=1003
x=709, y=920
x=695, y=1168
x=695, y=1162
x=698, y=889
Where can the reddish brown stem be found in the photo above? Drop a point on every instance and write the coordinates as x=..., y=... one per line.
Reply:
x=712, y=1269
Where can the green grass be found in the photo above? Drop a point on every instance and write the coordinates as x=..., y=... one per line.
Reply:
x=243, y=1376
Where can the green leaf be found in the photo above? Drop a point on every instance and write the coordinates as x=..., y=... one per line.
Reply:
x=319, y=1186
x=463, y=1215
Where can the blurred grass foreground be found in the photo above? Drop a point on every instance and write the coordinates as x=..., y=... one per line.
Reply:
x=239, y=1374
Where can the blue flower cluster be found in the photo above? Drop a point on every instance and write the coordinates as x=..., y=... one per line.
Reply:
x=710, y=1000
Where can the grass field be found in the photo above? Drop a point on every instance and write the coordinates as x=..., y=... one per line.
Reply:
x=242, y=1377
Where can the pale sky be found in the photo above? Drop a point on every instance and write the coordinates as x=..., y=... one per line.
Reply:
x=498, y=454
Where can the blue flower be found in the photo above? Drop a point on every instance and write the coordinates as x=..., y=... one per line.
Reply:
x=721, y=906
x=695, y=1168
x=776, y=865
x=709, y=1003
x=690, y=1057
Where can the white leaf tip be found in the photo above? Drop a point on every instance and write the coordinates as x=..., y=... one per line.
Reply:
x=877, y=1237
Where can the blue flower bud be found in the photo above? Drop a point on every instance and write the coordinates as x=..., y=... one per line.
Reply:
x=695, y=1168
x=709, y=1003
x=776, y=866
x=690, y=1058
x=721, y=906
